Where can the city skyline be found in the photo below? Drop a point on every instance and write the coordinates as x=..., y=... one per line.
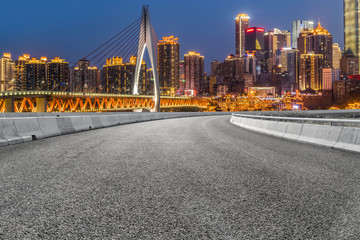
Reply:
x=73, y=37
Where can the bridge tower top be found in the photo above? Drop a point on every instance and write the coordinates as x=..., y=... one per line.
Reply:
x=147, y=41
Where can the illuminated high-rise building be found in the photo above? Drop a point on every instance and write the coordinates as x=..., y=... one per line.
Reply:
x=275, y=41
x=351, y=26
x=352, y=29
x=269, y=47
x=320, y=42
x=329, y=76
x=251, y=65
x=282, y=39
x=231, y=72
x=310, y=71
x=336, y=55
x=242, y=22
x=113, y=75
x=302, y=41
x=212, y=85
x=149, y=82
x=119, y=76
x=20, y=72
x=297, y=28
x=215, y=67
x=58, y=75
x=168, y=64
x=290, y=68
x=182, y=82
x=85, y=78
x=255, y=48
x=194, y=73
x=349, y=65
x=36, y=75
x=6, y=73
x=254, y=39
x=215, y=76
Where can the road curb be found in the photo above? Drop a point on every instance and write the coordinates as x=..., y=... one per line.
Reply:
x=336, y=137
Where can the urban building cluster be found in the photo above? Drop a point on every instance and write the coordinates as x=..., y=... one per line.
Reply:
x=33, y=74
x=280, y=62
x=269, y=63
x=176, y=77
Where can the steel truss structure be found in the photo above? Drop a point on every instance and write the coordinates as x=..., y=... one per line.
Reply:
x=79, y=102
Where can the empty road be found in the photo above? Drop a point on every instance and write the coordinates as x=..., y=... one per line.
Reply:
x=190, y=178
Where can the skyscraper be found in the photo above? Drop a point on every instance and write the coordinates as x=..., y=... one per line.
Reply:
x=351, y=28
x=281, y=39
x=149, y=82
x=290, y=68
x=20, y=72
x=349, y=65
x=297, y=27
x=301, y=40
x=336, y=56
x=242, y=22
x=329, y=76
x=36, y=75
x=194, y=73
x=320, y=42
x=269, y=48
x=182, y=81
x=254, y=39
x=113, y=75
x=215, y=65
x=168, y=64
x=231, y=72
x=255, y=48
x=119, y=76
x=310, y=71
x=85, y=78
x=6, y=73
x=58, y=75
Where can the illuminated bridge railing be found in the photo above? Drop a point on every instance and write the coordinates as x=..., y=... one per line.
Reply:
x=46, y=101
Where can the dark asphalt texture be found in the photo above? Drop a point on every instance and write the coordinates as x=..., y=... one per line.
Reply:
x=191, y=178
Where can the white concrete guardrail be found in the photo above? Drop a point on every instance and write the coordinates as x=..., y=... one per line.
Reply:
x=341, y=134
x=23, y=127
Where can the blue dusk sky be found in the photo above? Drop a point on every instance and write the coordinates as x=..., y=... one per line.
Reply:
x=73, y=28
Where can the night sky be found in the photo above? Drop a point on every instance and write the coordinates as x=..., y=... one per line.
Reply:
x=73, y=28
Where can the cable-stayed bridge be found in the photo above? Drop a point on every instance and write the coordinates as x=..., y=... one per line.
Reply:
x=129, y=45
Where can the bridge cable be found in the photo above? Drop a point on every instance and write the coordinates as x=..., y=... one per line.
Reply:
x=131, y=36
x=134, y=46
x=130, y=31
x=135, y=22
x=131, y=39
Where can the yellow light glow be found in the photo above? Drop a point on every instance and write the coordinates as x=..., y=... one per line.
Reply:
x=7, y=55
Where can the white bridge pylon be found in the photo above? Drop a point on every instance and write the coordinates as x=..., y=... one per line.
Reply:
x=146, y=42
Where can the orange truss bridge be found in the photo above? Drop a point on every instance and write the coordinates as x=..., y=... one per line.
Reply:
x=46, y=101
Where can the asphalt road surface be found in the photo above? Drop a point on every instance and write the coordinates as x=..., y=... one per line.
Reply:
x=193, y=178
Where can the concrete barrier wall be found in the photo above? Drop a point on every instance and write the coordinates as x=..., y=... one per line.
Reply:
x=10, y=132
x=338, y=114
x=337, y=137
x=23, y=127
x=28, y=128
